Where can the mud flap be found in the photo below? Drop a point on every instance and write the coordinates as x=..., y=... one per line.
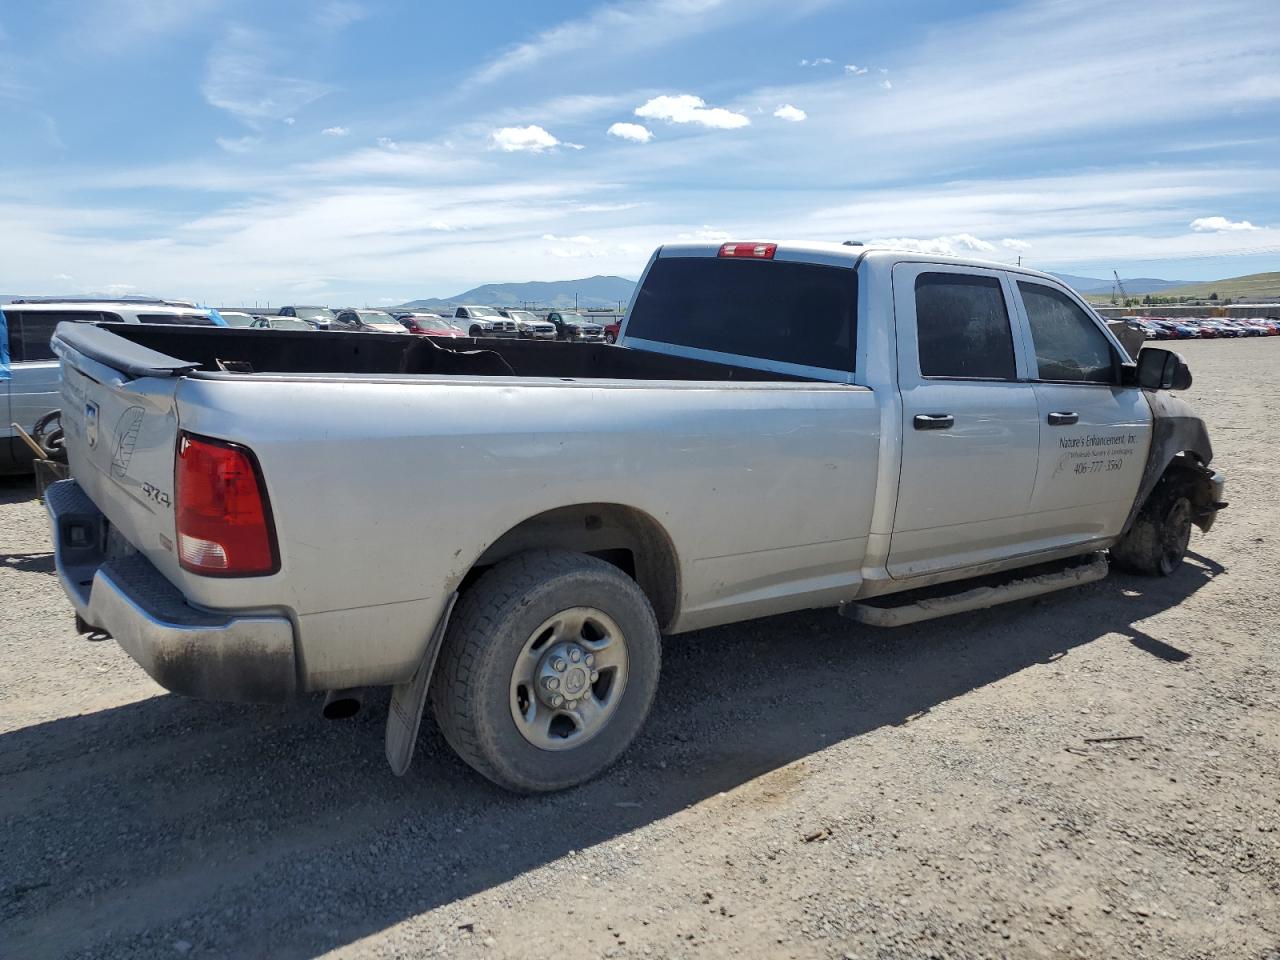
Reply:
x=409, y=699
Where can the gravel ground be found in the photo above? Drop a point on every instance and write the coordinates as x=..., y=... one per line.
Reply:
x=805, y=788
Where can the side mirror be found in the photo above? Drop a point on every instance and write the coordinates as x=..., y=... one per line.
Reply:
x=1162, y=370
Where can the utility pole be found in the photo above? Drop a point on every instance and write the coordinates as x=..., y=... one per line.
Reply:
x=575, y=301
x=1019, y=259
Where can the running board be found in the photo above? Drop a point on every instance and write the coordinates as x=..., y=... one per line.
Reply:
x=975, y=598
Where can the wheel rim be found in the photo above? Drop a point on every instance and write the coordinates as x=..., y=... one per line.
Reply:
x=568, y=678
x=1175, y=535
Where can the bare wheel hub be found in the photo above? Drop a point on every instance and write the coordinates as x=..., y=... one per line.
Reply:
x=568, y=679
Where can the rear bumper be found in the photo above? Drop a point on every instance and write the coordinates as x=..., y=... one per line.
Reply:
x=212, y=655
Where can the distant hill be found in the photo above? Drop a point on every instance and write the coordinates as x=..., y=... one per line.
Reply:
x=590, y=292
x=1264, y=286
x=1138, y=285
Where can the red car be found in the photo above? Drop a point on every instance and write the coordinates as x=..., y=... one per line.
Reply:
x=430, y=325
x=611, y=330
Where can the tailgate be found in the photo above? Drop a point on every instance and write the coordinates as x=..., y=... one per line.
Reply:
x=121, y=429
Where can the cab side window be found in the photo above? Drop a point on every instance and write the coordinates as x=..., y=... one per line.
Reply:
x=1069, y=345
x=962, y=328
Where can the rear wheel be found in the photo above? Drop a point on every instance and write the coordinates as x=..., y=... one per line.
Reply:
x=548, y=670
x=1157, y=542
x=610, y=338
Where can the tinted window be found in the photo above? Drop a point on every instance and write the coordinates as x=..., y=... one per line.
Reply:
x=793, y=312
x=30, y=331
x=962, y=327
x=1069, y=345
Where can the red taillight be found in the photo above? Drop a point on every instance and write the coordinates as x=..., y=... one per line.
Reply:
x=751, y=251
x=224, y=519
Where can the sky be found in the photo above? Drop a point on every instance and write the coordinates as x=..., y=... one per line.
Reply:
x=374, y=151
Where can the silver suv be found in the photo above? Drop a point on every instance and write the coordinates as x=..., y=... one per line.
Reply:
x=33, y=389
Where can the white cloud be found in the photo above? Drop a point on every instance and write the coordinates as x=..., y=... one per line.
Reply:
x=1220, y=225
x=886, y=84
x=238, y=80
x=290, y=121
x=788, y=112
x=337, y=15
x=854, y=70
x=1018, y=246
x=705, y=234
x=63, y=276
x=686, y=108
x=816, y=62
x=119, y=289
x=581, y=238
x=631, y=131
x=335, y=131
x=532, y=138
x=238, y=144
x=619, y=27
x=956, y=245
x=387, y=143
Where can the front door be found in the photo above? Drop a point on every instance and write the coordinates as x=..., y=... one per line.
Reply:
x=970, y=424
x=1094, y=433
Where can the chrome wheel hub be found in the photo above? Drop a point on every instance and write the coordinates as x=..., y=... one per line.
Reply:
x=568, y=679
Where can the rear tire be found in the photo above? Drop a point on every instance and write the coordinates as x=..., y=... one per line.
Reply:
x=491, y=690
x=1156, y=544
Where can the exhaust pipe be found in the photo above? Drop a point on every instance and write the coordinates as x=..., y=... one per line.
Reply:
x=343, y=704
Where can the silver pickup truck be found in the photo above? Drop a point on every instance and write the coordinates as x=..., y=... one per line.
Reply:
x=781, y=426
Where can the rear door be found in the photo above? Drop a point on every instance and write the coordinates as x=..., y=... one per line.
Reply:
x=1094, y=433
x=970, y=427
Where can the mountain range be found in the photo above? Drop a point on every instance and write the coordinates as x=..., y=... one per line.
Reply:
x=1131, y=284
x=587, y=293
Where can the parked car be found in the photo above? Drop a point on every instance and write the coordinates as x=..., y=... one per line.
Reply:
x=782, y=427
x=32, y=390
x=368, y=321
x=281, y=323
x=318, y=317
x=236, y=318
x=529, y=326
x=430, y=325
x=484, y=322
x=575, y=327
x=611, y=330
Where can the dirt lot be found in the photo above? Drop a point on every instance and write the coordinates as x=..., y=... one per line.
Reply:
x=806, y=787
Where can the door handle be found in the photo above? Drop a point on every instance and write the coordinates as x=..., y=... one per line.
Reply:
x=933, y=421
x=1063, y=418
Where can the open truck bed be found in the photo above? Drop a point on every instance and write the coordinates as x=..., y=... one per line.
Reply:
x=297, y=351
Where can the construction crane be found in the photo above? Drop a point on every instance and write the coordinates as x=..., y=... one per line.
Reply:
x=1118, y=286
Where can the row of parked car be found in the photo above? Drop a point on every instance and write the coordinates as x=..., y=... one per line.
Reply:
x=1197, y=328
x=466, y=321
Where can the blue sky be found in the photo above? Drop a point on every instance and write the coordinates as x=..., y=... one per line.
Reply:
x=350, y=151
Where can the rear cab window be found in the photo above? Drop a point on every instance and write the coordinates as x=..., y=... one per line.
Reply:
x=782, y=311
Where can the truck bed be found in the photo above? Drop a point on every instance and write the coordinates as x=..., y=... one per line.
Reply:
x=299, y=351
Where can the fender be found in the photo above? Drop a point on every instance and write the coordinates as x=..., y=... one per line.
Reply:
x=1175, y=429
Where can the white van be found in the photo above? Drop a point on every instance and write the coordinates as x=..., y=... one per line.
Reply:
x=33, y=388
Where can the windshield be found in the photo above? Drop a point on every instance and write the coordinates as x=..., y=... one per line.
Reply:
x=375, y=316
x=288, y=323
x=524, y=315
x=237, y=319
x=573, y=318
x=483, y=312
x=314, y=313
